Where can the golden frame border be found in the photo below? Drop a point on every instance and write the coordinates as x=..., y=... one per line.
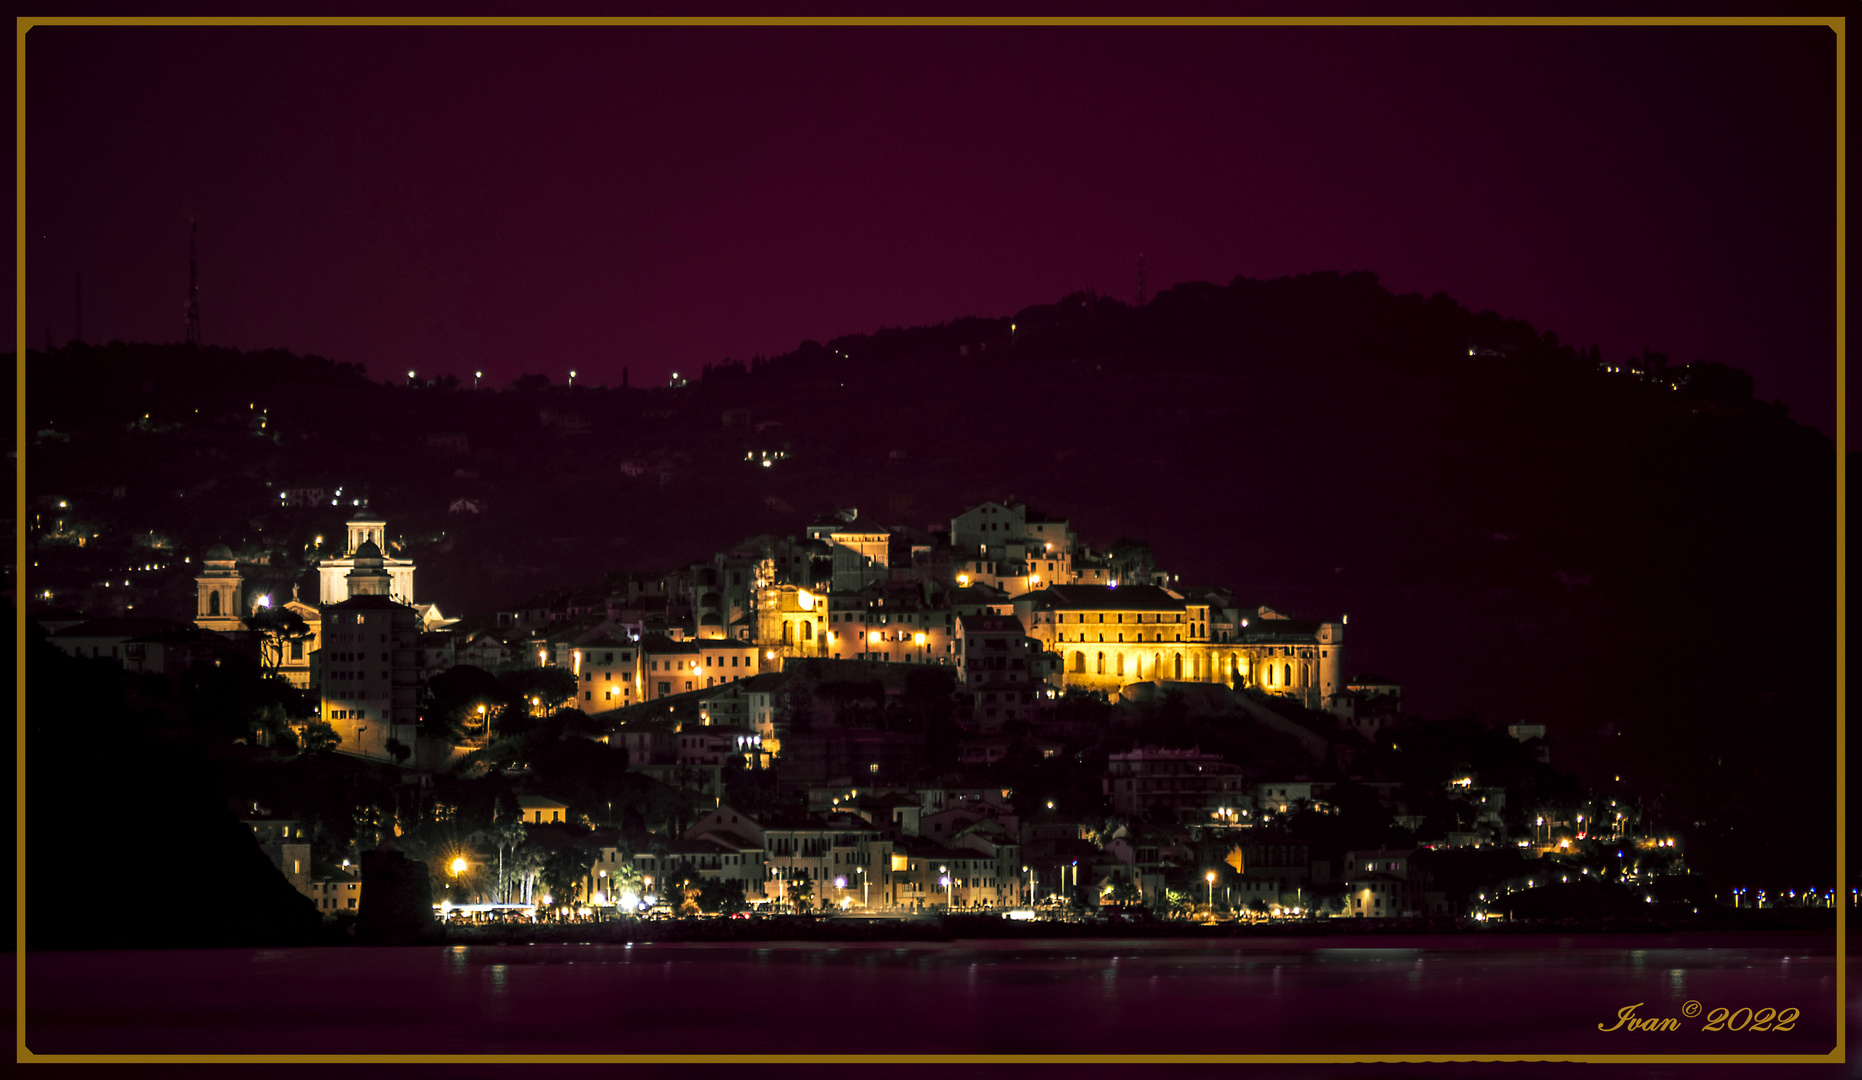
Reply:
x=23, y=25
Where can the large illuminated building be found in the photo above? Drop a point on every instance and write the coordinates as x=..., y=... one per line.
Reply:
x=1109, y=636
x=894, y=596
x=225, y=599
x=333, y=574
x=368, y=668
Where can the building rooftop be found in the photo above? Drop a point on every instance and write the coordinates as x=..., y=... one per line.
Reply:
x=990, y=624
x=1103, y=598
x=370, y=603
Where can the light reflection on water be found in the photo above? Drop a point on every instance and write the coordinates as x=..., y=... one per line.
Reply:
x=990, y=998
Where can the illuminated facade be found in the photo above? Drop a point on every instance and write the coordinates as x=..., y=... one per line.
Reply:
x=221, y=603
x=294, y=664
x=896, y=626
x=1109, y=637
x=333, y=574
x=1008, y=546
x=792, y=621
x=679, y=667
x=843, y=593
x=368, y=666
x=606, y=671
x=224, y=598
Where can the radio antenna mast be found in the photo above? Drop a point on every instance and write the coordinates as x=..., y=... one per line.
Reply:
x=193, y=288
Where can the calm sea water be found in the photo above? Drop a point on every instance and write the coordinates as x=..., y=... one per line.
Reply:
x=1404, y=996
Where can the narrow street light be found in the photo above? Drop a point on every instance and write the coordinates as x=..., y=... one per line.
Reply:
x=476, y=376
x=1210, y=878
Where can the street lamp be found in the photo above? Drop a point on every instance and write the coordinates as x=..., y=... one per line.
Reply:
x=945, y=881
x=476, y=376
x=572, y=379
x=1210, y=878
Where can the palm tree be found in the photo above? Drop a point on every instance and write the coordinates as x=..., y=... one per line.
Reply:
x=509, y=836
x=625, y=878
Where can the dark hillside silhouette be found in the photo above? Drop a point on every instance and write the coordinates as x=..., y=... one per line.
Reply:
x=1641, y=559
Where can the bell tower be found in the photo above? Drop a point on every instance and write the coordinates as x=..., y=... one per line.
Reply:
x=219, y=591
x=333, y=575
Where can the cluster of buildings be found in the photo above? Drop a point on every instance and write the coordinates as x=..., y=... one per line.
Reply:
x=694, y=671
x=1006, y=598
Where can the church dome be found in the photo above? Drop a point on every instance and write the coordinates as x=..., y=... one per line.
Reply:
x=220, y=553
x=367, y=550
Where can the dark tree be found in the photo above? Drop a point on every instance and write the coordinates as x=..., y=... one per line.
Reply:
x=278, y=627
x=455, y=698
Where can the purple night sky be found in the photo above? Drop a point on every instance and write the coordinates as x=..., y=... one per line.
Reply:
x=539, y=199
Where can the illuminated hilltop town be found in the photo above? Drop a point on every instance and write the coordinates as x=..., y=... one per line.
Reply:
x=877, y=719
x=1008, y=598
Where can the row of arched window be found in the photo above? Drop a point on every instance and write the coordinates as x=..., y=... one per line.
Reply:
x=1271, y=674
